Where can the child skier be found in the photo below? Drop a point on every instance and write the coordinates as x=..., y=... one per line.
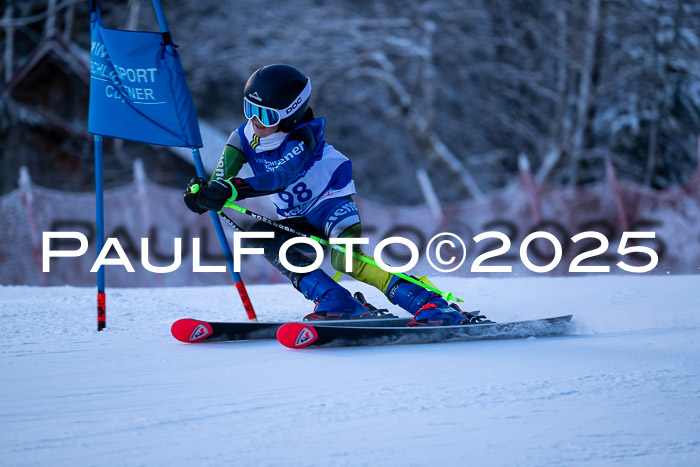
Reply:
x=312, y=182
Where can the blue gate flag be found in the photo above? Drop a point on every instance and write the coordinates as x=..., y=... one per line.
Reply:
x=138, y=89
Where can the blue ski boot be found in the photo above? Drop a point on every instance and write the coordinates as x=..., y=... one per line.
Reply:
x=427, y=307
x=332, y=300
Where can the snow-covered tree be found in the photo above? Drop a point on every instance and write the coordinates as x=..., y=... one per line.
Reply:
x=452, y=89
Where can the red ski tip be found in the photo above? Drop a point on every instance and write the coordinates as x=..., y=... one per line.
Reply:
x=190, y=330
x=296, y=335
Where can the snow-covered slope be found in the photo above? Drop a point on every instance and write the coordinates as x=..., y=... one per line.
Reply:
x=623, y=390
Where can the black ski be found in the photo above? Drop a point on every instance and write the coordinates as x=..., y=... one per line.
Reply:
x=300, y=335
x=194, y=330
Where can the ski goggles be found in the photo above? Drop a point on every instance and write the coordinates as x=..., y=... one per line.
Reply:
x=268, y=116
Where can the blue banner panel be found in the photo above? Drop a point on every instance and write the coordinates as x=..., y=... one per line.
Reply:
x=138, y=89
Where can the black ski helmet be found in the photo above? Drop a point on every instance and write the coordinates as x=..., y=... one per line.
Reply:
x=283, y=88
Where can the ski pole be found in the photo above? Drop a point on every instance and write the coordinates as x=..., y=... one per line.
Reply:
x=446, y=295
x=238, y=281
x=230, y=222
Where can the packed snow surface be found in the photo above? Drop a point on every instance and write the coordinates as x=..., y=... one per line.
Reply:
x=622, y=389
